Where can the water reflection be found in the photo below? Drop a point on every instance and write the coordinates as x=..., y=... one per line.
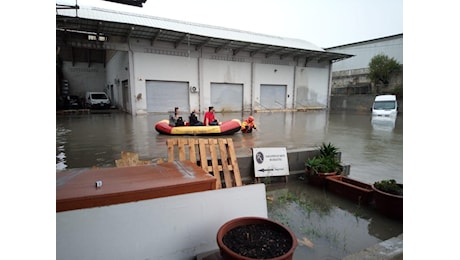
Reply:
x=381, y=123
x=335, y=226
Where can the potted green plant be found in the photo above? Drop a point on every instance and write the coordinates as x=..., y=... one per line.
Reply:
x=388, y=198
x=326, y=163
x=328, y=150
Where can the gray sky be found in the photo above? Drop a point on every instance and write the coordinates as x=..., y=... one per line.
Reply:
x=325, y=23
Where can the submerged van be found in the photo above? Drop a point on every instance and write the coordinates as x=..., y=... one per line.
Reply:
x=97, y=100
x=385, y=106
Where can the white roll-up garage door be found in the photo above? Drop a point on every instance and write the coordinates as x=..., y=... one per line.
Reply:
x=163, y=96
x=273, y=96
x=227, y=97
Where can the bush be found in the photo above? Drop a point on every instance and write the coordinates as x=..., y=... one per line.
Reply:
x=389, y=186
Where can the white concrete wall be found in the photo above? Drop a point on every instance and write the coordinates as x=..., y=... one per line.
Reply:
x=318, y=90
x=364, y=52
x=117, y=71
x=170, y=228
x=83, y=78
x=149, y=66
x=216, y=71
x=275, y=75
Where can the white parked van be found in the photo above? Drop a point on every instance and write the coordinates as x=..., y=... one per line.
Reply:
x=97, y=100
x=385, y=106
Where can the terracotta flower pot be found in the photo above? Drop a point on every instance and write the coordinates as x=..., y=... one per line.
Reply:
x=318, y=179
x=249, y=238
x=388, y=204
x=349, y=188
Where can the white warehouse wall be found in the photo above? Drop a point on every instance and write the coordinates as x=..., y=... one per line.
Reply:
x=216, y=71
x=318, y=87
x=274, y=75
x=149, y=66
x=364, y=52
x=139, y=61
x=117, y=72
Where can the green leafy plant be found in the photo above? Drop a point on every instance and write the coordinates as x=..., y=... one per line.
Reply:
x=326, y=161
x=389, y=186
x=328, y=150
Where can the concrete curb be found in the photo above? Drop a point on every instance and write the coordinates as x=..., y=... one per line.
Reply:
x=388, y=249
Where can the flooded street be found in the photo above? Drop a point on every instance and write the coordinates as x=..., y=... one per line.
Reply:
x=374, y=150
x=335, y=227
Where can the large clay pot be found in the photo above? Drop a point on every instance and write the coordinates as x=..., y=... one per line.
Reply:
x=229, y=254
x=388, y=204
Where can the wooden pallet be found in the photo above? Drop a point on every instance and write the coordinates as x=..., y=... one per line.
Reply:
x=130, y=159
x=215, y=155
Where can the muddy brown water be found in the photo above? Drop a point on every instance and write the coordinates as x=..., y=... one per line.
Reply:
x=329, y=226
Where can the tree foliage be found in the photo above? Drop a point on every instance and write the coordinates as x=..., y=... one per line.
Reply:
x=381, y=68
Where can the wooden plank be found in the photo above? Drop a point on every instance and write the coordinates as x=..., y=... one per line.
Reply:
x=234, y=162
x=203, y=148
x=76, y=189
x=224, y=161
x=171, y=142
x=203, y=158
x=192, y=149
x=181, y=148
x=215, y=162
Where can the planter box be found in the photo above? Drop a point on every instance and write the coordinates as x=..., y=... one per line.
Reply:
x=318, y=179
x=388, y=204
x=352, y=189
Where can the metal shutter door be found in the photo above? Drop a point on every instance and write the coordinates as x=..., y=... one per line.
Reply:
x=273, y=96
x=163, y=96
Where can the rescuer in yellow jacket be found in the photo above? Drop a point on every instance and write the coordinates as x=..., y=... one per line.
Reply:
x=248, y=124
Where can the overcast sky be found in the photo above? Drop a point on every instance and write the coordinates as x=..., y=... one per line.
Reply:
x=325, y=23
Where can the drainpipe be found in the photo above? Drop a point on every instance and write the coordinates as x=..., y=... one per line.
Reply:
x=252, y=89
x=329, y=87
x=200, y=83
x=131, y=81
x=294, y=87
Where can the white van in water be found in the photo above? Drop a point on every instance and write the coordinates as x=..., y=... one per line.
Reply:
x=385, y=106
x=97, y=100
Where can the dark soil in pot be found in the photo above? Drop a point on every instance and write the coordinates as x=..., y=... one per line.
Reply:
x=258, y=241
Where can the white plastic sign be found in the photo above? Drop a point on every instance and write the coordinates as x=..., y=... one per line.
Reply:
x=270, y=161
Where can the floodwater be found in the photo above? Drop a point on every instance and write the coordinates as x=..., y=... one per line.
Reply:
x=330, y=226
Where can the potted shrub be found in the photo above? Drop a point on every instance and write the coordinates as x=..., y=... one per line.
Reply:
x=247, y=238
x=322, y=165
x=388, y=198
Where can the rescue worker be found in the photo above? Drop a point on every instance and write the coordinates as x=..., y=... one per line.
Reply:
x=248, y=124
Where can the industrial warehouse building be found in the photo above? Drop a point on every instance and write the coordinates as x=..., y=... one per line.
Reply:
x=150, y=65
x=350, y=76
